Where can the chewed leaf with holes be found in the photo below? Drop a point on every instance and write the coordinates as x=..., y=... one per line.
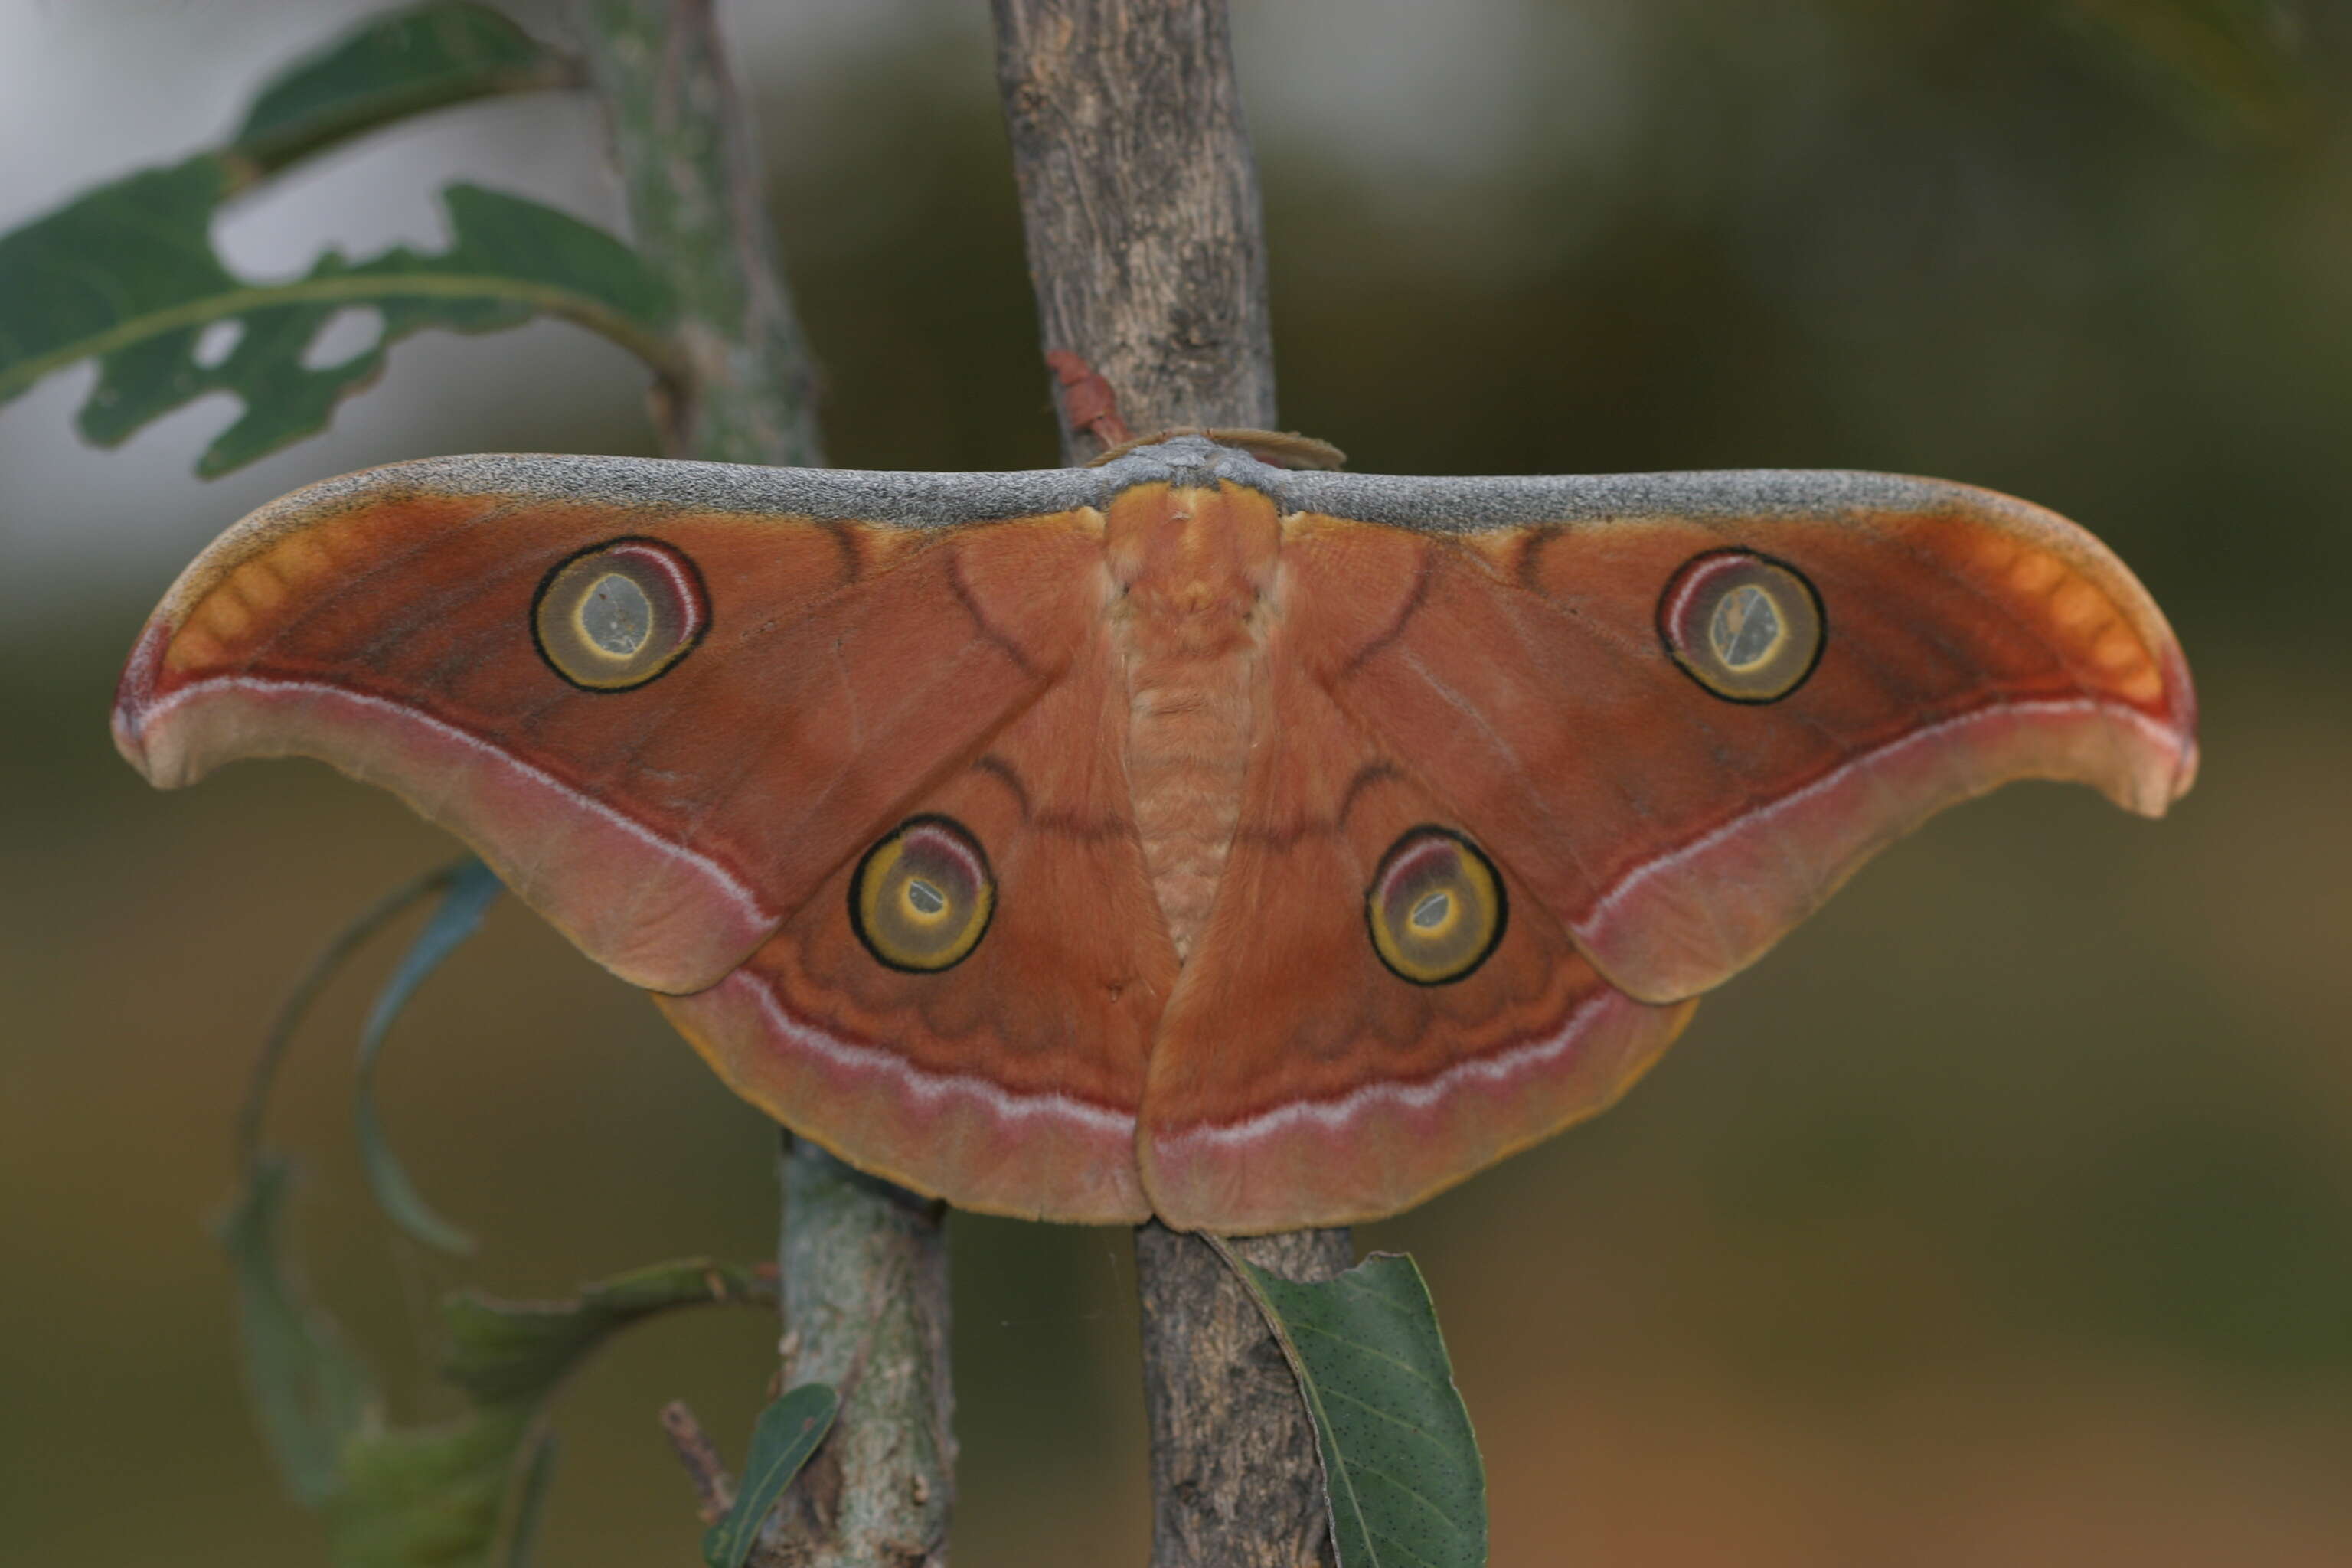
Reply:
x=1401, y=1466
x=1182, y=835
x=398, y=63
x=128, y=276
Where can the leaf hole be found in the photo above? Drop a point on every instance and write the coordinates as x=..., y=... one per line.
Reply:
x=348, y=333
x=216, y=343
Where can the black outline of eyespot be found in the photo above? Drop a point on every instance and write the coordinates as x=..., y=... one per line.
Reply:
x=1502, y=903
x=1821, y=619
x=857, y=881
x=693, y=640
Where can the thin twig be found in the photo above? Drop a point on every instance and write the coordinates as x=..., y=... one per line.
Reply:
x=713, y=1487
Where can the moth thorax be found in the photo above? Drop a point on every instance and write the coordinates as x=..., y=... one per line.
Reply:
x=1192, y=566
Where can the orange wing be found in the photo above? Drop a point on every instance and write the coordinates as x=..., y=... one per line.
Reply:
x=828, y=672
x=1964, y=639
x=1009, y=1081
x=677, y=707
x=1669, y=714
x=1297, y=1077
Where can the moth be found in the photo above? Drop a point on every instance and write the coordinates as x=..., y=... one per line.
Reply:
x=1190, y=834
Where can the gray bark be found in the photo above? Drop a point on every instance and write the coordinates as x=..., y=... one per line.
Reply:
x=685, y=147
x=1139, y=201
x=866, y=1305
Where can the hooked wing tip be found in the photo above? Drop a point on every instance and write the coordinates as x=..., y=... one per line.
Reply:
x=135, y=693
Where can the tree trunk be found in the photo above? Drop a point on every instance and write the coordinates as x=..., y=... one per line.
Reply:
x=1139, y=202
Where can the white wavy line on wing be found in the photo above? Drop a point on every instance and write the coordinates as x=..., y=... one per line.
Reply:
x=925, y=1085
x=737, y=892
x=1335, y=1113
x=1658, y=865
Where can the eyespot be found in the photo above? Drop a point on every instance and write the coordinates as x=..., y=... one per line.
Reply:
x=619, y=613
x=1745, y=626
x=1435, y=907
x=922, y=897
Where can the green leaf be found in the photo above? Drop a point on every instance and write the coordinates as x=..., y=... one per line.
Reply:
x=429, y=1497
x=322, y=969
x=396, y=1497
x=506, y=1350
x=127, y=274
x=466, y=896
x=786, y=1434
x=402, y=63
x=1401, y=1466
x=310, y=1392
x=435, y=1496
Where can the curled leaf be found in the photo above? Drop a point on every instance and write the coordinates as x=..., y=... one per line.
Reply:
x=322, y=969
x=310, y=1392
x=466, y=896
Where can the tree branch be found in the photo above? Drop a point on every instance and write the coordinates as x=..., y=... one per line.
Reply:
x=1139, y=201
x=690, y=167
x=865, y=1292
x=864, y=1263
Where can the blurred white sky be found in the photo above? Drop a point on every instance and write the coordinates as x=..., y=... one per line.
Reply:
x=1415, y=97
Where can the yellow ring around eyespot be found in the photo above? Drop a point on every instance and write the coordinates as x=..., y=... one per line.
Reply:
x=879, y=880
x=915, y=912
x=1472, y=876
x=658, y=598
x=874, y=876
x=1444, y=926
x=587, y=642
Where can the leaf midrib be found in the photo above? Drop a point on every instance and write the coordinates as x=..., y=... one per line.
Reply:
x=345, y=288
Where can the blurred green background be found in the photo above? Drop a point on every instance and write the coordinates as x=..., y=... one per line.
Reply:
x=2002, y=1216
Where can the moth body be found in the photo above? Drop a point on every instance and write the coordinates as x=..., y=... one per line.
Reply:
x=1194, y=567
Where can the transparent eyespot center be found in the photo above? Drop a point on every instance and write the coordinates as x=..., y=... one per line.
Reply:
x=1745, y=627
x=620, y=614
x=922, y=897
x=1435, y=909
x=617, y=617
